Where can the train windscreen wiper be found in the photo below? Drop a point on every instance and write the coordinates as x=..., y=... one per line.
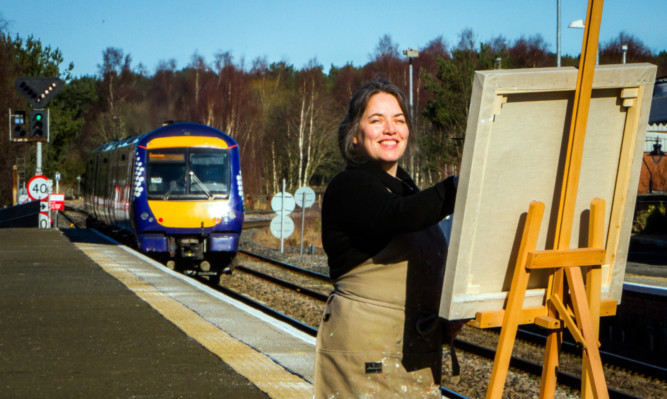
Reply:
x=199, y=182
x=172, y=186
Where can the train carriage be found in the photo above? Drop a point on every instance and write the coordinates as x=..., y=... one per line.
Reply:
x=176, y=190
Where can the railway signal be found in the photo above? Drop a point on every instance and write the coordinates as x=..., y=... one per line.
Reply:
x=39, y=91
x=18, y=130
x=39, y=125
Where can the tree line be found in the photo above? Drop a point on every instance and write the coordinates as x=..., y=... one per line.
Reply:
x=284, y=119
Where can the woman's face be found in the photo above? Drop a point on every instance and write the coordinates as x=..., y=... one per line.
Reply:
x=383, y=132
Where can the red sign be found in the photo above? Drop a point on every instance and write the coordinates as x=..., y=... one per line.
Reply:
x=57, y=202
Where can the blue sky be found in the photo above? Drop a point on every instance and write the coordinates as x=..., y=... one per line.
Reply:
x=297, y=31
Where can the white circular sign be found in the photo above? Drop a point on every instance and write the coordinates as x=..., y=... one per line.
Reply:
x=305, y=197
x=39, y=187
x=282, y=226
x=44, y=221
x=278, y=204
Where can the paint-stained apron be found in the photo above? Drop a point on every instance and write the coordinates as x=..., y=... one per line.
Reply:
x=380, y=336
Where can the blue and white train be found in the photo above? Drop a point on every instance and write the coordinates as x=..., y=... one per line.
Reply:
x=177, y=190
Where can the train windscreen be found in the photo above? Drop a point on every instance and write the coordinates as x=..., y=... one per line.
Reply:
x=179, y=173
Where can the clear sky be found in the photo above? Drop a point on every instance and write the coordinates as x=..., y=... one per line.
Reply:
x=298, y=31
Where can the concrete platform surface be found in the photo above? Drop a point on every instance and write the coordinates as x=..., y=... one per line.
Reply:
x=82, y=317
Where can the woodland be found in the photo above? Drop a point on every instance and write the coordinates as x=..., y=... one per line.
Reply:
x=285, y=119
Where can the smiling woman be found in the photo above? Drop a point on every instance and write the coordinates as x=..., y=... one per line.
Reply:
x=384, y=131
x=380, y=335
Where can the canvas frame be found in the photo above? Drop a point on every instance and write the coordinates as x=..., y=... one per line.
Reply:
x=514, y=151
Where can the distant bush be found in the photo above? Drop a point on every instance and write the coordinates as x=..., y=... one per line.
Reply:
x=651, y=221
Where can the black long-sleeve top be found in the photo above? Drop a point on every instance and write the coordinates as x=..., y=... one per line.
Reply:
x=364, y=207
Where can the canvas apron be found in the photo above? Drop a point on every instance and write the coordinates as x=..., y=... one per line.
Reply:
x=380, y=336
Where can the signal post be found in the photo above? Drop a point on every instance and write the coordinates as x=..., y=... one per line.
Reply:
x=38, y=91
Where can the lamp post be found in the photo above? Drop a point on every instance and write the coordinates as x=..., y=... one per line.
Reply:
x=558, y=35
x=625, y=50
x=579, y=24
x=656, y=157
x=657, y=153
x=411, y=53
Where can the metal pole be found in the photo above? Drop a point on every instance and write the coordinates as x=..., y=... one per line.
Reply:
x=282, y=219
x=558, y=37
x=55, y=217
x=625, y=50
x=38, y=161
x=412, y=113
x=303, y=218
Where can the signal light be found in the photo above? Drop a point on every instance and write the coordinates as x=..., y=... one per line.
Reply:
x=39, y=91
x=18, y=126
x=39, y=125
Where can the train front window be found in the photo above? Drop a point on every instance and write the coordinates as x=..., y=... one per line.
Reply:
x=209, y=172
x=166, y=173
x=181, y=173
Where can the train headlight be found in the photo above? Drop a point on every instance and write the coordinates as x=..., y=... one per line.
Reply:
x=223, y=212
x=144, y=215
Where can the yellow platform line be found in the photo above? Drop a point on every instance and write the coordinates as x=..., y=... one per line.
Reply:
x=266, y=374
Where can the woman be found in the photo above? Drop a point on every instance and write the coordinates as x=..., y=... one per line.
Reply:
x=380, y=336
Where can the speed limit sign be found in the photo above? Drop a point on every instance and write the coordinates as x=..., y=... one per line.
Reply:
x=39, y=187
x=44, y=220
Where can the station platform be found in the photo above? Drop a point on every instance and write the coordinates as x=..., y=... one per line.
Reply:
x=84, y=317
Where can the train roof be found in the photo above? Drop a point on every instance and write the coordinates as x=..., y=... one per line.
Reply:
x=170, y=129
x=658, y=112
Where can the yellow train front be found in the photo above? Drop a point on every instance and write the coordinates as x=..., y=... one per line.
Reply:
x=176, y=190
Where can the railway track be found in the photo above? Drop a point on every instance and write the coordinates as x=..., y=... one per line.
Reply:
x=568, y=379
x=301, y=288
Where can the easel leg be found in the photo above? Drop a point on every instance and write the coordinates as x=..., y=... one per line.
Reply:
x=515, y=301
x=552, y=349
x=593, y=283
x=591, y=355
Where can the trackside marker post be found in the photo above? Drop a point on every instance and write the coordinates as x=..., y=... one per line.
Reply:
x=282, y=226
x=305, y=198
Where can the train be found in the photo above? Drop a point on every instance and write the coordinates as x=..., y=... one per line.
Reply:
x=176, y=191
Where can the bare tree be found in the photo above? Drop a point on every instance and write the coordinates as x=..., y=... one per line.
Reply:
x=612, y=51
x=198, y=65
x=531, y=52
x=114, y=65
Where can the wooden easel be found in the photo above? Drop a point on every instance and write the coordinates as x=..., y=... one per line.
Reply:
x=569, y=301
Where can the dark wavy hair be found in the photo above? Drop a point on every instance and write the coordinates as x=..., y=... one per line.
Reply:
x=349, y=127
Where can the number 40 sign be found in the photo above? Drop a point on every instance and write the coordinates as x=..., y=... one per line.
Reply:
x=39, y=187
